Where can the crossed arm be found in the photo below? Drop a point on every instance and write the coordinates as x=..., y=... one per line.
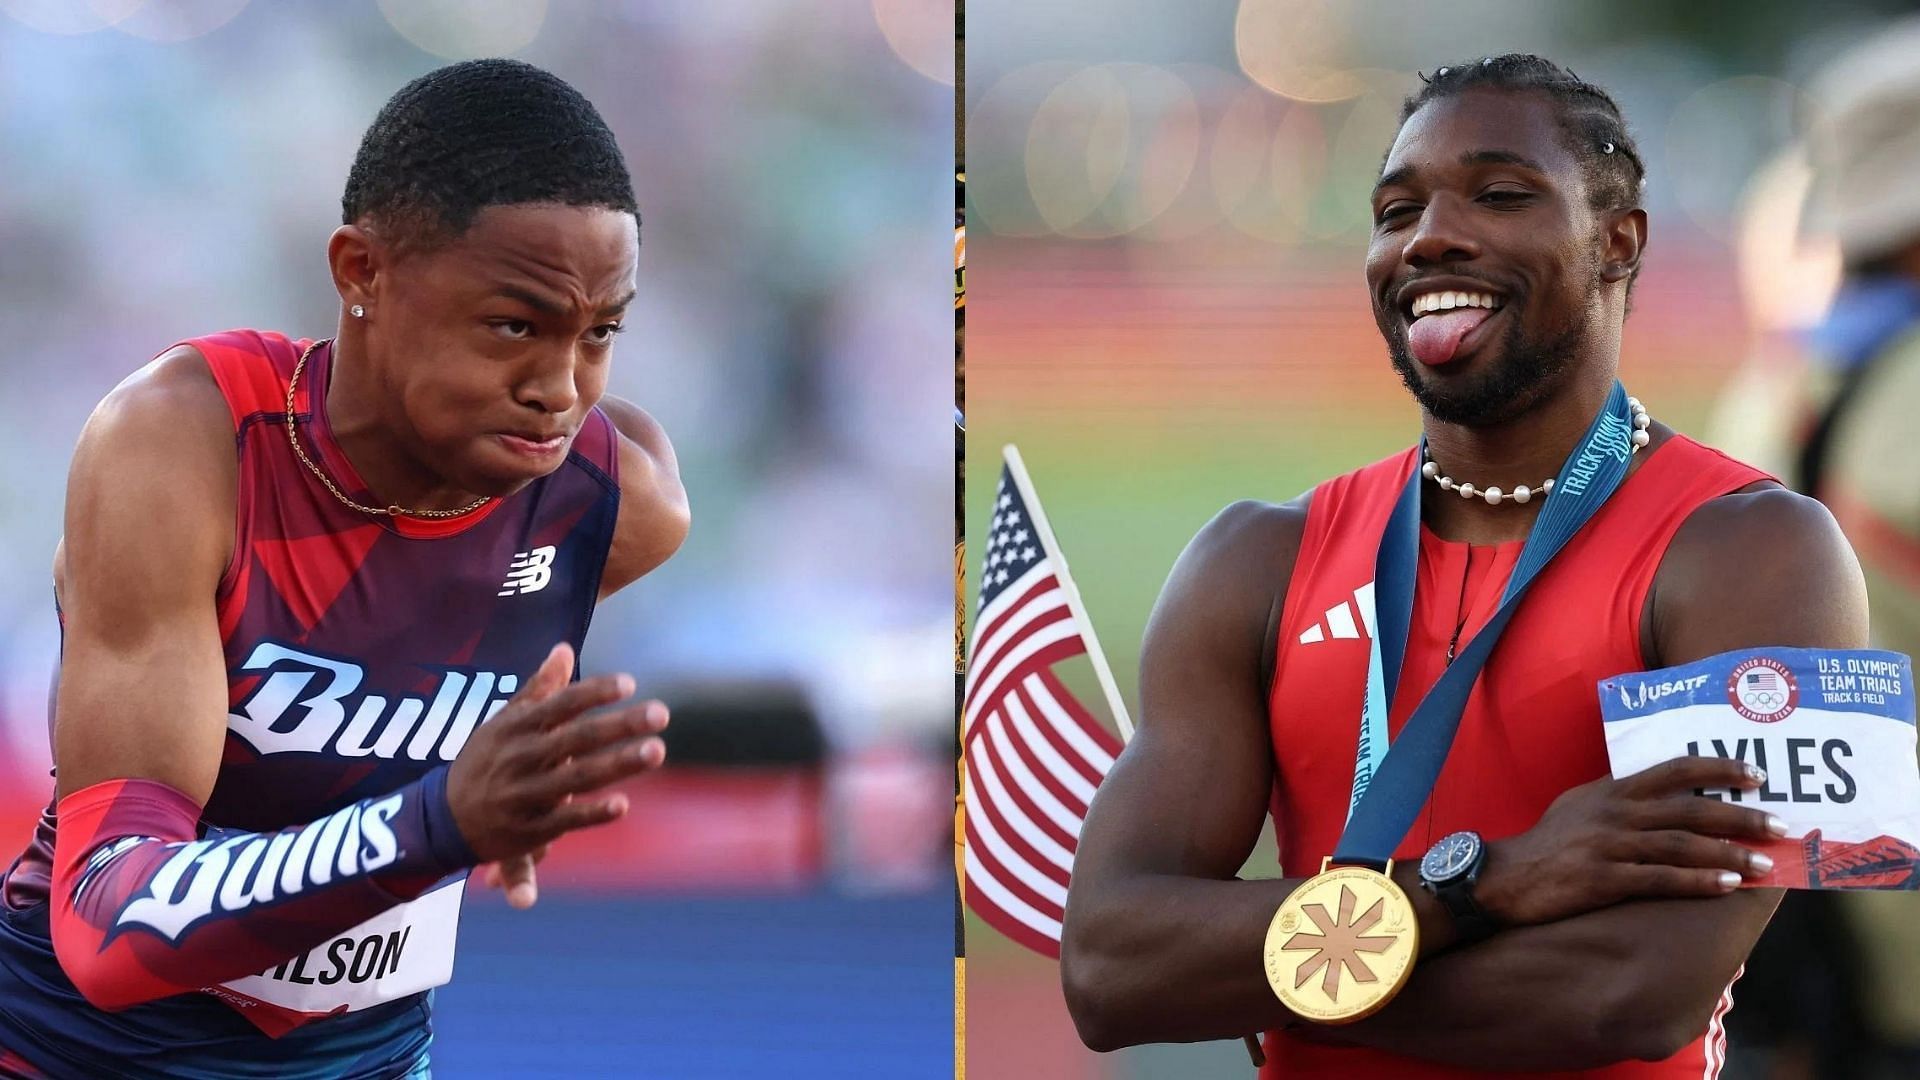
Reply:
x=1162, y=944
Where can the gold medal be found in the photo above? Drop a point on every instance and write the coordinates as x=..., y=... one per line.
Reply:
x=1342, y=944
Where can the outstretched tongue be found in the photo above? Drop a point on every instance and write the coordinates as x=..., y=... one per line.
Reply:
x=1434, y=337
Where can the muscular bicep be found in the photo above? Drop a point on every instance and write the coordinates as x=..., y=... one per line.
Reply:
x=142, y=686
x=1762, y=567
x=654, y=516
x=1190, y=793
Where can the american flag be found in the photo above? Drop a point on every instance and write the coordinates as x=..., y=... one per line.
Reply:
x=1033, y=753
x=1763, y=680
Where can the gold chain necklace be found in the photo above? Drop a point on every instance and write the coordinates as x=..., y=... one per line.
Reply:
x=294, y=441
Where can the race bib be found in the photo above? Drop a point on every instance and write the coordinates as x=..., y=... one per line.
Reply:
x=1833, y=729
x=401, y=951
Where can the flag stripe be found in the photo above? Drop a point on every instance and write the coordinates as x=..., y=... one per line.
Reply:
x=1047, y=645
x=1025, y=623
x=991, y=681
x=993, y=904
x=1049, y=759
x=1017, y=898
x=1024, y=771
x=1057, y=834
x=1104, y=739
x=1019, y=828
x=1050, y=797
x=1020, y=875
x=1018, y=835
x=1033, y=697
x=1016, y=595
x=1043, y=595
x=1086, y=751
x=1043, y=915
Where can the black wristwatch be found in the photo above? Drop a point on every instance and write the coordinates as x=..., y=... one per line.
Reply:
x=1448, y=871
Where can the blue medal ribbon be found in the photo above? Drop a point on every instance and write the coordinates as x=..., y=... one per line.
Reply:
x=1391, y=784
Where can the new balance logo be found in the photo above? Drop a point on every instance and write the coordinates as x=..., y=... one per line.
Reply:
x=1339, y=621
x=314, y=704
x=234, y=874
x=529, y=572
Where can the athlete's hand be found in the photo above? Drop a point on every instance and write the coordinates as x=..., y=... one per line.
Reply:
x=1644, y=836
x=516, y=876
x=529, y=775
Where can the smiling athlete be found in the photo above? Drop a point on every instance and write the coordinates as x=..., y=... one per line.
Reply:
x=321, y=602
x=1567, y=922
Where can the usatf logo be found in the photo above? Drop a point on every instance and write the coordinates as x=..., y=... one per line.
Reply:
x=308, y=703
x=1651, y=693
x=1763, y=690
x=529, y=572
x=209, y=877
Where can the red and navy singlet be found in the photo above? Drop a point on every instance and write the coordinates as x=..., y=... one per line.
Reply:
x=1531, y=729
x=361, y=653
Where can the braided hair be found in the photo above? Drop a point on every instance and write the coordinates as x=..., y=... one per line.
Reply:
x=476, y=134
x=1590, y=122
x=1590, y=119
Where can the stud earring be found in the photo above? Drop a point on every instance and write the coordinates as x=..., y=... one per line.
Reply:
x=358, y=311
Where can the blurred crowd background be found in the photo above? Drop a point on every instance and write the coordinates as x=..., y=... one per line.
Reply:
x=1168, y=215
x=779, y=897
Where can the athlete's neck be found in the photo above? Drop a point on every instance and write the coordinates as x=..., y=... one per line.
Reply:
x=354, y=409
x=1526, y=450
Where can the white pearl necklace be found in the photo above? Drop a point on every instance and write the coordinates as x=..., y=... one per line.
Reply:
x=1524, y=494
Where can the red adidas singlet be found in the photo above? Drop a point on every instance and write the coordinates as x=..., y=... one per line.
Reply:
x=1532, y=725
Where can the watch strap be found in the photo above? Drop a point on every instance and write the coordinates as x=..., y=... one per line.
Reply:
x=1470, y=922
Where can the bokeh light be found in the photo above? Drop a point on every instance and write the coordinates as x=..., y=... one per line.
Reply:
x=999, y=125
x=1298, y=48
x=920, y=33
x=1267, y=160
x=1353, y=160
x=1193, y=209
x=69, y=16
x=1787, y=276
x=1163, y=167
x=179, y=20
x=1142, y=153
x=465, y=29
x=1076, y=146
x=1718, y=136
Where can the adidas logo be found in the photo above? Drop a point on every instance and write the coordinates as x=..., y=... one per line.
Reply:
x=1339, y=620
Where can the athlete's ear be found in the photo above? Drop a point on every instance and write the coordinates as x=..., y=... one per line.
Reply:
x=355, y=256
x=1625, y=238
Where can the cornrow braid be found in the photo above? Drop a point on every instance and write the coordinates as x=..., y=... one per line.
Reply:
x=1590, y=119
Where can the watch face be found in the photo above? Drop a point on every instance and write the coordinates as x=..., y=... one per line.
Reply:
x=1450, y=857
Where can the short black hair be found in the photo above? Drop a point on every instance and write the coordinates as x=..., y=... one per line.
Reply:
x=1590, y=119
x=476, y=134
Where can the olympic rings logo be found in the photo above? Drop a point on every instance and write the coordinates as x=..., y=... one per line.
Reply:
x=1765, y=696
